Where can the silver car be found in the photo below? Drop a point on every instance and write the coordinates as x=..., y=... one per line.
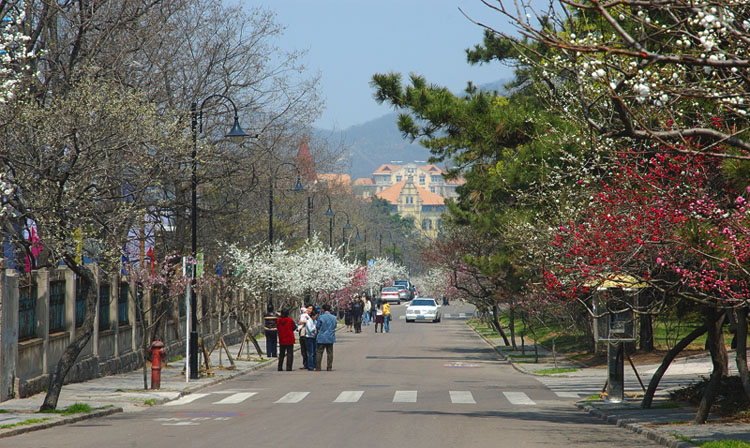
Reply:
x=423, y=309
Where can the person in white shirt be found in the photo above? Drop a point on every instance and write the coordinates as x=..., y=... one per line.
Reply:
x=368, y=308
x=311, y=333
x=304, y=316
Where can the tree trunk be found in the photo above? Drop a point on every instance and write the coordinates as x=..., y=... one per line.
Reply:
x=496, y=323
x=245, y=331
x=648, y=397
x=741, y=357
x=71, y=352
x=512, y=326
x=715, y=343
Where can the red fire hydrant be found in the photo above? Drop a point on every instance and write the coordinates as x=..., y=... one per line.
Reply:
x=157, y=352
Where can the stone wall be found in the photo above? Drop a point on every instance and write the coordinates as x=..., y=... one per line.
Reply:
x=25, y=365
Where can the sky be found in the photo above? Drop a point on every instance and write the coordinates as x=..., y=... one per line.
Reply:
x=350, y=40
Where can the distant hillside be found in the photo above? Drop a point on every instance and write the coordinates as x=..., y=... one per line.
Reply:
x=376, y=142
x=379, y=141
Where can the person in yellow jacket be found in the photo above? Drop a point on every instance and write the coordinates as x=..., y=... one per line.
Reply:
x=386, y=316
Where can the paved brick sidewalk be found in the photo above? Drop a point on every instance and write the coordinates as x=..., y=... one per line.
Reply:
x=120, y=393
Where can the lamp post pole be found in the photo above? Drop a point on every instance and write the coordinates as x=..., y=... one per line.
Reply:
x=309, y=215
x=235, y=133
x=343, y=233
x=297, y=187
x=330, y=213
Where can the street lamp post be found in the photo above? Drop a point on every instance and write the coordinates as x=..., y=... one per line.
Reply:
x=346, y=227
x=330, y=213
x=236, y=133
x=356, y=240
x=390, y=238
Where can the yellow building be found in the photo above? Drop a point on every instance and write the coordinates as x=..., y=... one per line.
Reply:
x=413, y=190
x=412, y=201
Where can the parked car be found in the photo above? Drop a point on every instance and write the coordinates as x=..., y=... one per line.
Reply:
x=406, y=284
x=423, y=309
x=390, y=294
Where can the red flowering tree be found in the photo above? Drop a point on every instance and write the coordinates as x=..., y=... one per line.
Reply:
x=668, y=219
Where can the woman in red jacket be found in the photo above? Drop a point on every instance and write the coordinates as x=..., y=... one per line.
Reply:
x=286, y=328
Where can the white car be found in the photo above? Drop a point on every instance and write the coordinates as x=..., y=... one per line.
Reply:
x=423, y=308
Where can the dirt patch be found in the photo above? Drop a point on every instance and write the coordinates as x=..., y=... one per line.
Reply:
x=599, y=360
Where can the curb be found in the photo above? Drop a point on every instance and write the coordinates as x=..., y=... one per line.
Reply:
x=659, y=437
x=501, y=353
x=66, y=420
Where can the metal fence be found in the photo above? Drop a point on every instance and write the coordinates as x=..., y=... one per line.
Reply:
x=122, y=305
x=57, y=306
x=104, y=307
x=80, y=303
x=26, y=312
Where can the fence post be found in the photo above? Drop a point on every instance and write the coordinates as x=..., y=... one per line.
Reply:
x=8, y=331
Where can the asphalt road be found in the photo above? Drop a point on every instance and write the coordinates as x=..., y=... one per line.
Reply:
x=421, y=385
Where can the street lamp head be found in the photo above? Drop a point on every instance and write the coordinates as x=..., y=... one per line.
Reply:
x=298, y=186
x=347, y=226
x=330, y=211
x=236, y=134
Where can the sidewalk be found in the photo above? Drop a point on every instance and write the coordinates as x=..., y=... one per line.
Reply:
x=123, y=392
x=667, y=425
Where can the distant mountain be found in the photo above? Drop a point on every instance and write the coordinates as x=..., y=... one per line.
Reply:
x=374, y=143
x=379, y=141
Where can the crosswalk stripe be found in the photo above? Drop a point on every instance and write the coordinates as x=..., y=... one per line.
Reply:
x=236, y=398
x=293, y=397
x=518, y=398
x=405, y=396
x=567, y=394
x=349, y=396
x=462, y=397
x=186, y=399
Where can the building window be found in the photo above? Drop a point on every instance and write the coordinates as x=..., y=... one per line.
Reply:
x=104, y=307
x=432, y=189
x=56, y=306
x=26, y=311
x=409, y=200
x=122, y=305
x=398, y=178
x=421, y=179
x=436, y=178
x=426, y=224
x=438, y=224
x=410, y=170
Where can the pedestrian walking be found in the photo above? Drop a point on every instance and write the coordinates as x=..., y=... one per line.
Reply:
x=357, y=310
x=286, y=328
x=348, y=316
x=326, y=325
x=304, y=316
x=379, y=317
x=269, y=325
x=312, y=344
x=387, y=316
x=367, y=308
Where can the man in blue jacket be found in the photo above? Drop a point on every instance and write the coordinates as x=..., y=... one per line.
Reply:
x=326, y=326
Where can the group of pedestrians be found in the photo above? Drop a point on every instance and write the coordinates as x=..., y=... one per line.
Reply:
x=361, y=310
x=316, y=329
